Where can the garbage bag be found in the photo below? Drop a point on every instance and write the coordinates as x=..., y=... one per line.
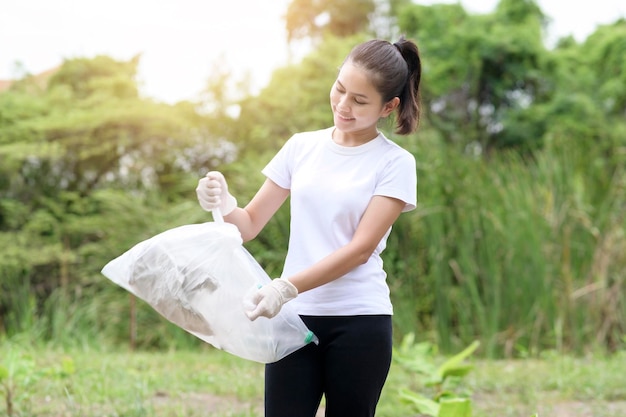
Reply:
x=196, y=276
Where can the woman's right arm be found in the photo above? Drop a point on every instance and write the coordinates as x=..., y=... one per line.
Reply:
x=251, y=219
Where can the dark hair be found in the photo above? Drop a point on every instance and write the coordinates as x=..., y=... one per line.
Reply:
x=395, y=70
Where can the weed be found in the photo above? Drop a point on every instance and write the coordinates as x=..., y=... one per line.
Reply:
x=441, y=380
x=19, y=375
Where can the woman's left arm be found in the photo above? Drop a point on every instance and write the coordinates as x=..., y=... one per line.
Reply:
x=379, y=216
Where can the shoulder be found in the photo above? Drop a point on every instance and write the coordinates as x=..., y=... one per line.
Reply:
x=395, y=152
x=313, y=135
x=306, y=141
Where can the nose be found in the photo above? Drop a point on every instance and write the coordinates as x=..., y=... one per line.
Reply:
x=342, y=104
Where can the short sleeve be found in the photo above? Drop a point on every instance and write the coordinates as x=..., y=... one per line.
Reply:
x=399, y=179
x=280, y=167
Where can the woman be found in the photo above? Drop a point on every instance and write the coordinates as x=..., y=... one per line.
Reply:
x=348, y=184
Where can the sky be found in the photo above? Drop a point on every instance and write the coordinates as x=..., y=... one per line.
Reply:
x=181, y=42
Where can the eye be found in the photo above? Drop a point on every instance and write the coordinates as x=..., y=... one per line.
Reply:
x=339, y=88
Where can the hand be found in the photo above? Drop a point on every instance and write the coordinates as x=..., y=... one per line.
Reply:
x=269, y=299
x=212, y=192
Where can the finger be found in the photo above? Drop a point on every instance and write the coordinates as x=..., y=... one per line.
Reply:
x=212, y=183
x=213, y=200
x=201, y=184
x=208, y=196
x=254, y=314
x=213, y=192
x=215, y=176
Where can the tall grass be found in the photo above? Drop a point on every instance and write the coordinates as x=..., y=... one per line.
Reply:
x=525, y=254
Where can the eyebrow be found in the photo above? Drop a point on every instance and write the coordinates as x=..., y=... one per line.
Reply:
x=356, y=94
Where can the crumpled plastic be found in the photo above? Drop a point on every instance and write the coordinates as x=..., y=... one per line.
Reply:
x=196, y=276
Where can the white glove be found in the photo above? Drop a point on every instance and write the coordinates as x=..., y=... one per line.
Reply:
x=269, y=299
x=212, y=192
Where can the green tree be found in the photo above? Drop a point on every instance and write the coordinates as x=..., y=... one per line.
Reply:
x=99, y=77
x=606, y=49
x=315, y=18
x=477, y=68
x=60, y=146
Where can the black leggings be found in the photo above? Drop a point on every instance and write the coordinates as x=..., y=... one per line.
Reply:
x=349, y=366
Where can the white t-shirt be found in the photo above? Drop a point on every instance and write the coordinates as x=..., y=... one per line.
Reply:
x=331, y=186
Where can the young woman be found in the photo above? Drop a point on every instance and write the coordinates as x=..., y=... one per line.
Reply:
x=348, y=184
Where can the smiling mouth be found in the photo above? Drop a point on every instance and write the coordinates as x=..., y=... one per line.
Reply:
x=347, y=119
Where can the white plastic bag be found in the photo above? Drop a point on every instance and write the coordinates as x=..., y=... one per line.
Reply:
x=196, y=277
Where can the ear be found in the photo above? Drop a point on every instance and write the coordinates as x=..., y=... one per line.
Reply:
x=390, y=106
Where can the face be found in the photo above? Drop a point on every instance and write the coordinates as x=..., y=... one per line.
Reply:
x=355, y=103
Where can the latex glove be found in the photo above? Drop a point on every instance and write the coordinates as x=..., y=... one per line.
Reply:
x=269, y=299
x=212, y=192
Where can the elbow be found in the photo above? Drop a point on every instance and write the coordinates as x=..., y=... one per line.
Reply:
x=249, y=233
x=359, y=253
x=246, y=237
x=362, y=256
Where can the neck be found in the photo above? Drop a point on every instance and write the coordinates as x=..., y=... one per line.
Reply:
x=354, y=138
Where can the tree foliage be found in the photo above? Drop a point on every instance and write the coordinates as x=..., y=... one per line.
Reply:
x=478, y=68
x=61, y=146
x=315, y=19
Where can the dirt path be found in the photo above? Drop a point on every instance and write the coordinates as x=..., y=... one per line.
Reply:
x=212, y=405
x=494, y=406
x=205, y=404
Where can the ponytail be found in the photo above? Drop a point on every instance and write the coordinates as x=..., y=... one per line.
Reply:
x=408, y=116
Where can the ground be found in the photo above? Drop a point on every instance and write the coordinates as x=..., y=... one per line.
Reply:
x=203, y=404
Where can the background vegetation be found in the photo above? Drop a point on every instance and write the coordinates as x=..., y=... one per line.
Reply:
x=518, y=240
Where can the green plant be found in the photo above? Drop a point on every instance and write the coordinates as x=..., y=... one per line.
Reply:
x=441, y=380
x=19, y=374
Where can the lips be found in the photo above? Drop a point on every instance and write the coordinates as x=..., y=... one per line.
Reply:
x=344, y=118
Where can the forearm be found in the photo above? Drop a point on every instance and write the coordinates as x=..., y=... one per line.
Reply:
x=241, y=218
x=382, y=212
x=251, y=219
x=328, y=269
